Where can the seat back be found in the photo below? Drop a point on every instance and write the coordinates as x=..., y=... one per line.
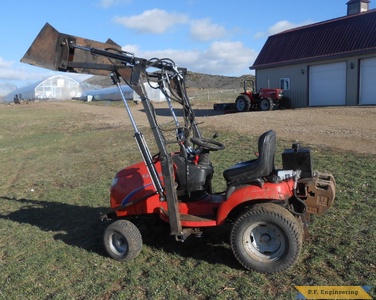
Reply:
x=263, y=166
x=266, y=147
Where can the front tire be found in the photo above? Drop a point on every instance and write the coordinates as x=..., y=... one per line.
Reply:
x=267, y=238
x=284, y=103
x=122, y=240
x=266, y=104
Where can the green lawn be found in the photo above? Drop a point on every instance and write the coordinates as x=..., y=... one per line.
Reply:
x=56, y=169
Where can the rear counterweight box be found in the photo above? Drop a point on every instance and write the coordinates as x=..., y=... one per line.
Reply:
x=298, y=159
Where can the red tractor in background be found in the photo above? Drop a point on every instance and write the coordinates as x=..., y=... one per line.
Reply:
x=265, y=99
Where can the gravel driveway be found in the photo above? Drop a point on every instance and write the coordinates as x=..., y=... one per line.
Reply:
x=346, y=128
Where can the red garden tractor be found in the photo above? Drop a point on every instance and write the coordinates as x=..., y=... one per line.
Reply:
x=265, y=99
x=269, y=209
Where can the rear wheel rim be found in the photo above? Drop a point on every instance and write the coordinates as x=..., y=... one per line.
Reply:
x=264, y=242
x=240, y=105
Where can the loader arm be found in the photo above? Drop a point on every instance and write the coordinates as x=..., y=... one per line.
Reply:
x=61, y=52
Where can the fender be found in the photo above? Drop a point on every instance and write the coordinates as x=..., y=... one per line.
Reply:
x=281, y=191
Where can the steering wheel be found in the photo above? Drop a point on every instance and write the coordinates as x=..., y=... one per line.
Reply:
x=208, y=144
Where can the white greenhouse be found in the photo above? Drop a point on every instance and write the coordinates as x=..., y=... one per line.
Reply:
x=57, y=87
x=110, y=94
x=61, y=87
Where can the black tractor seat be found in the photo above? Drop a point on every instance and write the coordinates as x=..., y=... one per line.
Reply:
x=255, y=169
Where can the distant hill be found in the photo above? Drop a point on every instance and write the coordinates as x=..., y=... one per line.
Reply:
x=202, y=81
x=194, y=80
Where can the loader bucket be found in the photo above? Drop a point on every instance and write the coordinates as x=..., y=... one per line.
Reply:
x=51, y=50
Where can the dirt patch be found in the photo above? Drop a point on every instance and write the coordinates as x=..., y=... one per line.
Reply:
x=346, y=128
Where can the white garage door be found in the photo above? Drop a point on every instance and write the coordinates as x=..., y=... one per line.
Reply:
x=368, y=81
x=327, y=84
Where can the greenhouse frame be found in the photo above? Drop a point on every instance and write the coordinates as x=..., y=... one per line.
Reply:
x=57, y=87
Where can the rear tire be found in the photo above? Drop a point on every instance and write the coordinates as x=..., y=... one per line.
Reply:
x=122, y=240
x=266, y=104
x=267, y=238
x=242, y=103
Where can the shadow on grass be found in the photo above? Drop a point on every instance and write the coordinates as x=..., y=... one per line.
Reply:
x=80, y=226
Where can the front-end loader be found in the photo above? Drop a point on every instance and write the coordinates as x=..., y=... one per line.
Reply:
x=269, y=209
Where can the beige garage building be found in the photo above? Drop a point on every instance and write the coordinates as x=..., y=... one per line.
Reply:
x=324, y=64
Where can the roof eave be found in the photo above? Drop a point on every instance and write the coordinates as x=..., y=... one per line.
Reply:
x=313, y=59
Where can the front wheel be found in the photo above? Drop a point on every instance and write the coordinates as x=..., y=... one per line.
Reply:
x=122, y=240
x=284, y=103
x=267, y=238
x=266, y=104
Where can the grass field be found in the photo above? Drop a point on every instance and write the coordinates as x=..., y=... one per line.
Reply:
x=56, y=170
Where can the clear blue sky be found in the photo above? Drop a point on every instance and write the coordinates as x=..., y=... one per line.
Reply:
x=207, y=36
